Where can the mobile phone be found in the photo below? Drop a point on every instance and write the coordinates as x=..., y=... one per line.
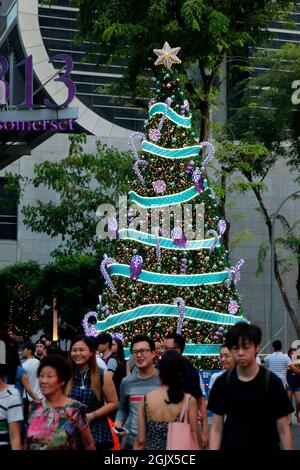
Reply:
x=119, y=430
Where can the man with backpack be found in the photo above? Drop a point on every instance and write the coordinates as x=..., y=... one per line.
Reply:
x=252, y=399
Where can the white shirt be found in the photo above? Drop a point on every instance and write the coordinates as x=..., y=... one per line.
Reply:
x=31, y=366
x=278, y=363
x=214, y=378
x=100, y=363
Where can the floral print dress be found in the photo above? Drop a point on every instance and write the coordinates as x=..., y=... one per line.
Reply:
x=55, y=428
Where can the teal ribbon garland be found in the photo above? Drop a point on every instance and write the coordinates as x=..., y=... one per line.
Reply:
x=184, y=152
x=159, y=108
x=167, y=310
x=193, y=350
x=148, y=277
x=161, y=201
x=167, y=243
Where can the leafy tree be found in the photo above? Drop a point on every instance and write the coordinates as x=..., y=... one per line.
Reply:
x=267, y=121
x=83, y=182
x=21, y=300
x=127, y=31
x=74, y=281
x=268, y=99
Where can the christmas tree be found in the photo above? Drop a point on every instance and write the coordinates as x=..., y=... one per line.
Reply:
x=171, y=272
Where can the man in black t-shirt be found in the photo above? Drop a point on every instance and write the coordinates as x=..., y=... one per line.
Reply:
x=176, y=342
x=253, y=400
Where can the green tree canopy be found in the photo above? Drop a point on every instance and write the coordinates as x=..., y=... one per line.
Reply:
x=127, y=31
x=82, y=181
x=263, y=129
x=75, y=282
x=270, y=112
x=21, y=300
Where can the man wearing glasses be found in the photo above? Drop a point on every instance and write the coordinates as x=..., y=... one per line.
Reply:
x=176, y=342
x=226, y=361
x=135, y=386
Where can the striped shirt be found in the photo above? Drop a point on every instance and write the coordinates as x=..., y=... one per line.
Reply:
x=278, y=363
x=10, y=412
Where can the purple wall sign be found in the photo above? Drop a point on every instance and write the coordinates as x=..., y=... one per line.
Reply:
x=28, y=64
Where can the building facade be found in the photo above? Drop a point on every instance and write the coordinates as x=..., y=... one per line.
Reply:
x=27, y=27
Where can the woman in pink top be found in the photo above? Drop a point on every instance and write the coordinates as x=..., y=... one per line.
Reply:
x=58, y=421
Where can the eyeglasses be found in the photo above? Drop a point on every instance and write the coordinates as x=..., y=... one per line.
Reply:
x=143, y=352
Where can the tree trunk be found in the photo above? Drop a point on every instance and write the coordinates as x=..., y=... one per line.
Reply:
x=278, y=278
x=204, y=108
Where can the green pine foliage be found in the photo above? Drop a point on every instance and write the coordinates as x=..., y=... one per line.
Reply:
x=130, y=293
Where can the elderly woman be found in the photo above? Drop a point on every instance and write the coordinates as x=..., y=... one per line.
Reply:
x=58, y=421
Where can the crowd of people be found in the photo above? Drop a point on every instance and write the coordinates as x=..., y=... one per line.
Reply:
x=94, y=399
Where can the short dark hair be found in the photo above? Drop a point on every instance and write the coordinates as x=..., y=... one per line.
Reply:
x=103, y=338
x=277, y=345
x=243, y=332
x=60, y=364
x=140, y=337
x=179, y=340
x=29, y=345
x=52, y=349
x=46, y=336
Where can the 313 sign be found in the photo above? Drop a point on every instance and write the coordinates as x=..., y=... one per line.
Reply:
x=28, y=102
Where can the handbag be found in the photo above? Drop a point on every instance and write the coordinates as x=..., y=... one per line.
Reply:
x=180, y=436
x=292, y=379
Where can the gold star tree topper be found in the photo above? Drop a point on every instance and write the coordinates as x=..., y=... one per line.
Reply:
x=167, y=55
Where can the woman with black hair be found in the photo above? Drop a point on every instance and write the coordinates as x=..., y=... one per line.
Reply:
x=58, y=421
x=164, y=404
x=93, y=387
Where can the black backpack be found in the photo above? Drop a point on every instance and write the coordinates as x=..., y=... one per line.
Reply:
x=119, y=373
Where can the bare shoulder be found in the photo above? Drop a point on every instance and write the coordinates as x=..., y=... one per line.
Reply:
x=193, y=402
x=153, y=394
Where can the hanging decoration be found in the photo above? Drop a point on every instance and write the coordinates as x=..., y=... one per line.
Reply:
x=198, y=180
x=136, y=266
x=113, y=225
x=155, y=134
x=211, y=151
x=222, y=226
x=159, y=186
x=137, y=171
x=185, y=108
x=234, y=274
x=216, y=239
x=103, y=269
x=118, y=335
x=88, y=327
x=135, y=135
x=179, y=301
x=157, y=246
x=189, y=167
x=178, y=237
x=219, y=332
x=233, y=307
x=183, y=265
